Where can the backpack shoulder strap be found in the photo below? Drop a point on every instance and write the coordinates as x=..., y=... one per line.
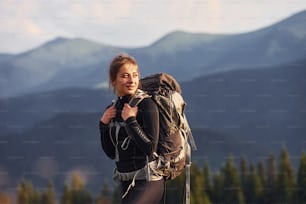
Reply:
x=138, y=97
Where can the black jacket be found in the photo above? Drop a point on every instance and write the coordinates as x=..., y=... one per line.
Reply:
x=144, y=133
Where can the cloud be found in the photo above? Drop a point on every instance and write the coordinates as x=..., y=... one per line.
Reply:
x=98, y=12
x=214, y=7
x=31, y=28
x=132, y=22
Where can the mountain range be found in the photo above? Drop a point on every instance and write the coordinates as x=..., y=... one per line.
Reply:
x=245, y=95
x=77, y=62
x=252, y=113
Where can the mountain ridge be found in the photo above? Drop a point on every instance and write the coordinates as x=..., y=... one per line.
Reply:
x=63, y=62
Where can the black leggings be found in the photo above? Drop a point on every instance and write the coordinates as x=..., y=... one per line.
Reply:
x=143, y=192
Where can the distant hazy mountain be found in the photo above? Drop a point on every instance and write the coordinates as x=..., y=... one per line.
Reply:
x=251, y=112
x=190, y=55
x=263, y=107
x=20, y=113
x=77, y=62
x=56, y=64
x=4, y=57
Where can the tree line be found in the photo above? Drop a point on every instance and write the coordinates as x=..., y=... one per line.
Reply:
x=241, y=183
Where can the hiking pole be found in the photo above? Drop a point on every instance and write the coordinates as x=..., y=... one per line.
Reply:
x=188, y=165
x=188, y=183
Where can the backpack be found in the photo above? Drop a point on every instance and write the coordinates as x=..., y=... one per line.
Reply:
x=173, y=150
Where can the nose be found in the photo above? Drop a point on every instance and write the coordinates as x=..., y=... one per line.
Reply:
x=130, y=79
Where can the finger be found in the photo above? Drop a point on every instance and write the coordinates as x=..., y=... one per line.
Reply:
x=112, y=107
x=126, y=105
x=112, y=112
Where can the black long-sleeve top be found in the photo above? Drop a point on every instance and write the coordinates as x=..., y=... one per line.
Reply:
x=143, y=130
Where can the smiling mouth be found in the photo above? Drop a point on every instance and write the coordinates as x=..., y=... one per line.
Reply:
x=131, y=87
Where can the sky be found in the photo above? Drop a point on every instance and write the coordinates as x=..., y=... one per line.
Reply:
x=26, y=24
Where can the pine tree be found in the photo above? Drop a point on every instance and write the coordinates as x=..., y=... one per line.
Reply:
x=244, y=172
x=105, y=195
x=207, y=180
x=254, y=186
x=36, y=198
x=261, y=172
x=270, y=194
x=67, y=195
x=301, y=180
x=217, y=188
x=286, y=180
x=232, y=187
x=175, y=190
x=48, y=197
x=198, y=194
x=116, y=195
x=197, y=184
x=77, y=182
x=77, y=194
x=26, y=194
x=24, y=191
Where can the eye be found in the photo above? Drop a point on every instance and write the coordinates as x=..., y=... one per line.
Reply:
x=135, y=75
x=125, y=76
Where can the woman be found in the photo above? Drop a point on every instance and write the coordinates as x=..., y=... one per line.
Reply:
x=129, y=135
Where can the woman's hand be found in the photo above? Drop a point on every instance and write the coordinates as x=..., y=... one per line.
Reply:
x=128, y=111
x=108, y=114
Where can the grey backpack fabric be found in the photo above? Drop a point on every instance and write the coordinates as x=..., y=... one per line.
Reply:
x=173, y=150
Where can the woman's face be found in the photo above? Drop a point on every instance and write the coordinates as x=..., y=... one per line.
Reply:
x=127, y=80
